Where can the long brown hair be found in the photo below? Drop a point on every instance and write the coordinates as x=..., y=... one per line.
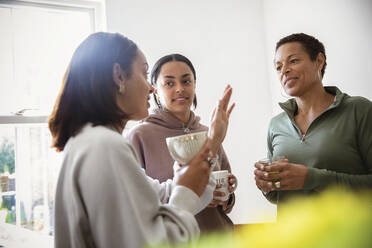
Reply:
x=88, y=90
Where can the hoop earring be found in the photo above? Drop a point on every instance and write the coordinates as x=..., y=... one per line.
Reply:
x=121, y=89
x=157, y=101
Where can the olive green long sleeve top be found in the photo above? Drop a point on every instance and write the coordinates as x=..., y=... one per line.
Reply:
x=337, y=147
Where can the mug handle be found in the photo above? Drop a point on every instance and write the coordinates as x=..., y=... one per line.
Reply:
x=235, y=185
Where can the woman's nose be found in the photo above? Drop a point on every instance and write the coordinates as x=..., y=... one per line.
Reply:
x=180, y=89
x=285, y=70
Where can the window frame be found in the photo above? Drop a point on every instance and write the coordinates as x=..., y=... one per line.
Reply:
x=95, y=8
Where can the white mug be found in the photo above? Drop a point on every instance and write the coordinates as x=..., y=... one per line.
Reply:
x=222, y=177
x=184, y=147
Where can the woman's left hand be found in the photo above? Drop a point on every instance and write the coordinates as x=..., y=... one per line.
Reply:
x=215, y=202
x=232, y=181
x=283, y=176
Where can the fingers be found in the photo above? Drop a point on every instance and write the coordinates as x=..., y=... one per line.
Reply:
x=259, y=166
x=280, y=175
x=230, y=189
x=264, y=185
x=270, y=176
x=224, y=102
x=215, y=203
x=277, y=166
x=232, y=179
x=260, y=174
x=230, y=110
x=264, y=180
x=218, y=194
x=284, y=185
x=213, y=114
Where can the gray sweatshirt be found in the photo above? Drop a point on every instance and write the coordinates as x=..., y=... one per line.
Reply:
x=148, y=139
x=104, y=199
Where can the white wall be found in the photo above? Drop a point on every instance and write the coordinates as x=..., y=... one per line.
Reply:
x=233, y=42
x=225, y=41
x=343, y=26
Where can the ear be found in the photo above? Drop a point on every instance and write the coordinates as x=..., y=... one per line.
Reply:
x=320, y=59
x=118, y=74
x=155, y=91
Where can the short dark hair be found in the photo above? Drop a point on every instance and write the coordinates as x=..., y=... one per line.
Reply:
x=88, y=92
x=169, y=58
x=312, y=46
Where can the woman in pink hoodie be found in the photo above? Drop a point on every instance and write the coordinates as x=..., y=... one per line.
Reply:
x=173, y=77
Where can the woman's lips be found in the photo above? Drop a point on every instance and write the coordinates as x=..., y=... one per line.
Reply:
x=290, y=81
x=180, y=99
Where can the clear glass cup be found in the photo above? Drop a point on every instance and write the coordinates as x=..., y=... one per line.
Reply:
x=268, y=161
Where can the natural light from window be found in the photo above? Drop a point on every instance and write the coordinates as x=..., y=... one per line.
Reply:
x=36, y=44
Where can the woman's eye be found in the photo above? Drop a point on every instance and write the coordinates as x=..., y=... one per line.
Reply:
x=293, y=60
x=187, y=82
x=168, y=84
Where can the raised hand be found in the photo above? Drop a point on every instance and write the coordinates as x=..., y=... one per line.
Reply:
x=220, y=120
x=195, y=175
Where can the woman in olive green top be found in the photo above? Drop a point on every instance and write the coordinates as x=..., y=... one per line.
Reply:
x=324, y=136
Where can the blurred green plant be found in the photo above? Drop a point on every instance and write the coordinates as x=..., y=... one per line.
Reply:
x=7, y=162
x=335, y=218
x=11, y=216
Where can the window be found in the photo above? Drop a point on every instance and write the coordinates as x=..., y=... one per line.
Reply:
x=37, y=41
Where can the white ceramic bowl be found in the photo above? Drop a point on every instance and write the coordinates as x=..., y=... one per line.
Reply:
x=184, y=147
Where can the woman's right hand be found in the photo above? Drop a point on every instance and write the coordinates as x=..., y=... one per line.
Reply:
x=261, y=182
x=195, y=175
x=220, y=121
x=287, y=176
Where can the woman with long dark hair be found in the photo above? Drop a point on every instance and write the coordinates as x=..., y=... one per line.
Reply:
x=103, y=197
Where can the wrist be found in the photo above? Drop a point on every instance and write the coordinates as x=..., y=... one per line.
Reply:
x=213, y=147
x=212, y=161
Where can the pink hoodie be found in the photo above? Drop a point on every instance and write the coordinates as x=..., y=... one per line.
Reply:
x=148, y=139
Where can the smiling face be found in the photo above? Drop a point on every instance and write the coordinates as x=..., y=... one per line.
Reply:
x=134, y=100
x=296, y=71
x=176, y=88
